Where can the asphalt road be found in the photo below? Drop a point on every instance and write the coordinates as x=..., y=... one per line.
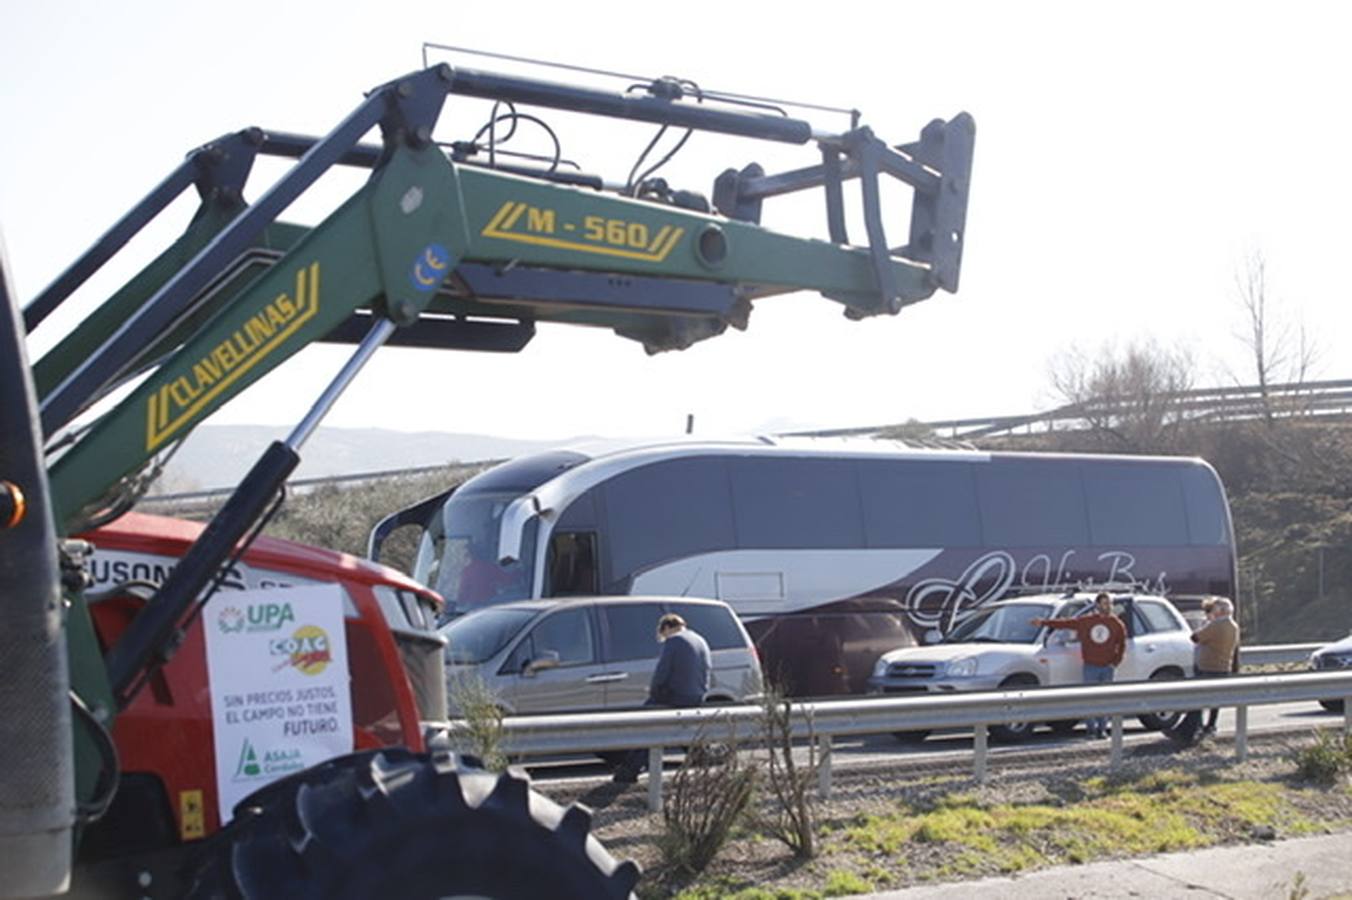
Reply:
x=884, y=748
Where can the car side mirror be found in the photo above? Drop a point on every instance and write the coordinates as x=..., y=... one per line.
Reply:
x=549, y=659
x=932, y=636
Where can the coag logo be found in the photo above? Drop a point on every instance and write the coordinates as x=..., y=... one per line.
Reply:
x=307, y=650
x=230, y=620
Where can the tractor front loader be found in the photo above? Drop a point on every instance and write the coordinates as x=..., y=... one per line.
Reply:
x=452, y=246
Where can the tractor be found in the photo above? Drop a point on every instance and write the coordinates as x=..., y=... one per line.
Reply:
x=139, y=699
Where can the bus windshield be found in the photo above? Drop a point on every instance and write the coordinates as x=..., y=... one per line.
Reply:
x=1002, y=624
x=459, y=554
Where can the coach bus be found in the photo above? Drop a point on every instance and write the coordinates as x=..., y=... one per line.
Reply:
x=831, y=551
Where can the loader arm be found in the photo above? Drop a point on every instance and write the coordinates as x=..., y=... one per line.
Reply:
x=436, y=251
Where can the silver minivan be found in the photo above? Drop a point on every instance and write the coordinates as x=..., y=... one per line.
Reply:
x=574, y=654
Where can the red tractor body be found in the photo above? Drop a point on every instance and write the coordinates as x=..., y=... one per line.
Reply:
x=164, y=738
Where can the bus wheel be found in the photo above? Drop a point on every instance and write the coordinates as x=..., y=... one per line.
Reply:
x=1162, y=721
x=392, y=823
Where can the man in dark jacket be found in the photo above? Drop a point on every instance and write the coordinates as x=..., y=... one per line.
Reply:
x=681, y=679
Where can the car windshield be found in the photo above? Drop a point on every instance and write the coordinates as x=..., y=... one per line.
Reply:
x=476, y=637
x=459, y=554
x=1010, y=623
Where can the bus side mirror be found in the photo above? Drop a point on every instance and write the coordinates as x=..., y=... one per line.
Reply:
x=514, y=519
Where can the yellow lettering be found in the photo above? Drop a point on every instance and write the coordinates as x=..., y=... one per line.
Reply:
x=259, y=328
x=225, y=357
x=244, y=344
x=182, y=391
x=540, y=220
x=258, y=336
x=205, y=373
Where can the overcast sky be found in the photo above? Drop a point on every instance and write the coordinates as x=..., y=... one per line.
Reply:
x=1129, y=156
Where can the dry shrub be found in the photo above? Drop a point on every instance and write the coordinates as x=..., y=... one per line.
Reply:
x=708, y=795
x=793, y=818
x=476, y=721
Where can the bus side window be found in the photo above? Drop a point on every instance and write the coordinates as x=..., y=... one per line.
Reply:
x=572, y=563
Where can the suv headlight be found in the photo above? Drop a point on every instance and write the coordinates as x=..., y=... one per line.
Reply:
x=880, y=667
x=961, y=668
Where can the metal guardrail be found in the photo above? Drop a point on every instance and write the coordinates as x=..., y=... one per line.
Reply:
x=1277, y=654
x=824, y=721
x=1326, y=399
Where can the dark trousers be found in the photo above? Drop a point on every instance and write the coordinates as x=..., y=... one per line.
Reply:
x=1212, y=714
x=636, y=761
x=1193, y=720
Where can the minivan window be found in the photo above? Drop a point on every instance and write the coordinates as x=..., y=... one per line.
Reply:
x=567, y=633
x=713, y=623
x=632, y=630
x=475, y=637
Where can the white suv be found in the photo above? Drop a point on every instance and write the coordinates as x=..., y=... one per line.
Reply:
x=998, y=647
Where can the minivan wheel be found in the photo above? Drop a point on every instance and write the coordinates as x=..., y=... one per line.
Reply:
x=1014, y=732
x=1162, y=721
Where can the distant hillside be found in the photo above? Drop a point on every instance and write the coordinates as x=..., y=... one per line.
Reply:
x=219, y=455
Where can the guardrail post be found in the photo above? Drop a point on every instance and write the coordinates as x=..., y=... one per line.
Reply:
x=824, y=766
x=1115, y=758
x=979, y=753
x=1241, y=733
x=655, y=779
x=1347, y=716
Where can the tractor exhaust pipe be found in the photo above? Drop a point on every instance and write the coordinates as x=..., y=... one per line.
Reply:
x=37, y=768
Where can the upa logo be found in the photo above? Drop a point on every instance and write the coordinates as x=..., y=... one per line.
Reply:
x=270, y=616
x=307, y=650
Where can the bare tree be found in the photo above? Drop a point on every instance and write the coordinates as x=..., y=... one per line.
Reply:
x=1132, y=400
x=1282, y=351
x=1293, y=449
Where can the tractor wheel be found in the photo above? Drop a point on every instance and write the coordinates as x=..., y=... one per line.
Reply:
x=391, y=823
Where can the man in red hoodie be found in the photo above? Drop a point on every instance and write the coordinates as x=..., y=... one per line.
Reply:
x=1103, y=639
